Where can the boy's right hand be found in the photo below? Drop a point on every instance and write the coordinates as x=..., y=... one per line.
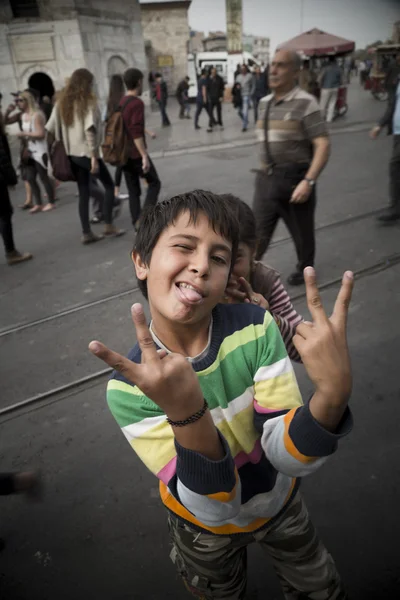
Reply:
x=167, y=379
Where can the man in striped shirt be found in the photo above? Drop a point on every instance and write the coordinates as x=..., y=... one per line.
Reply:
x=209, y=401
x=294, y=150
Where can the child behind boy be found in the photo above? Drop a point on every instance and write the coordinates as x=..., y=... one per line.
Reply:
x=209, y=402
x=253, y=281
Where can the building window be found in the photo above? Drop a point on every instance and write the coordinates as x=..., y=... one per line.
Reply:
x=24, y=8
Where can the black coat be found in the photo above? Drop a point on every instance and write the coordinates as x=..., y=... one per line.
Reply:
x=215, y=88
x=8, y=176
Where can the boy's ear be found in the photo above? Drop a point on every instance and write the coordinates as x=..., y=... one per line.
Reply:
x=140, y=266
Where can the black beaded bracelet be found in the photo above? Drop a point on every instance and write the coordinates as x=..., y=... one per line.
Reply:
x=191, y=419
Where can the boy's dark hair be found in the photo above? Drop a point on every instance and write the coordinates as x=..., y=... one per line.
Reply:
x=247, y=221
x=154, y=220
x=132, y=78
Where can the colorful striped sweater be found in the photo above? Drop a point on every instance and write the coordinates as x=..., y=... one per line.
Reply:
x=270, y=438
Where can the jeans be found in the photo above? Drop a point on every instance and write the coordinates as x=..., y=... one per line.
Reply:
x=215, y=104
x=245, y=111
x=199, y=107
x=163, y=110
x=394, y=172
x=31, y=172
x=271, y=203
x=184, y=109
x=118, y=177
x=81, y=166
x=133, y=172
x=256, y=102
x=328, y=103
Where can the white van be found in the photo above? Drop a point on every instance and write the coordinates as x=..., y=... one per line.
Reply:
x=225, y=63
x=192, y=74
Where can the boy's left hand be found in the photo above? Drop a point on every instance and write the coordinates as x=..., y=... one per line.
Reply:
x=322, y=344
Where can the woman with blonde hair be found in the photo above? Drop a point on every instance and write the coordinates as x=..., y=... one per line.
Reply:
x=35, y=155
x=76, y=120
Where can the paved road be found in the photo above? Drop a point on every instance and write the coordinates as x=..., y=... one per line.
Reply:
x=101, y=530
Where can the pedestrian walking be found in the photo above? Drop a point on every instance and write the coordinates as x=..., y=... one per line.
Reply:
x=215, y=96
x=260, y=88
x=8, y=178
x=161, y=95
x=139, y=164
x=34, y=150
x=76, y=119
x=330, y=82
x=182, y=95
x=237, y=99
x=307, y=79
x=209, y=401
x=391, y=120
x=201, y=100
x=246, y=81
x=115, y=94
x=294, y=151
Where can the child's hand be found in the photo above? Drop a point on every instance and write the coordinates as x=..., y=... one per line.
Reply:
x=322, y=344
x=251, y=296
x=233, y=293
x=167, y=379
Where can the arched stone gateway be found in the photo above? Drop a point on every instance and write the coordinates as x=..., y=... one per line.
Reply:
x=116, y=66
x=42, y=83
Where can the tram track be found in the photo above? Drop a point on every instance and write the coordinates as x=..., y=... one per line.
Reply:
x=63, y=392
x=87, y=305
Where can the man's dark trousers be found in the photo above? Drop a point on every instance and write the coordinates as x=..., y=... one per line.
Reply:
x=215, y=103
x=133, y=173
x=272, y=202
x=395, y=176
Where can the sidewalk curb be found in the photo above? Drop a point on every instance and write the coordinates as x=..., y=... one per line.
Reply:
x=240, y=143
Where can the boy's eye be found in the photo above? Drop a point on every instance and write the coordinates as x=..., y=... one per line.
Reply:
x=219, y=260
x=182, y=246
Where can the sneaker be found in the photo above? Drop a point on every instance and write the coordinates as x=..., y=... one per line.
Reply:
x=197, y=127
x=244, y=129
x=112, y=231
x=296, y=278
x=13, y=258
x=91, y=238
x=209, y=129
x=123, y=197
x=96, y=220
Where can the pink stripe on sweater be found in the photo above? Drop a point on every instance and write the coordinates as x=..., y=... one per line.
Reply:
x=261, y=409
x=168, y=471
x=254, y=457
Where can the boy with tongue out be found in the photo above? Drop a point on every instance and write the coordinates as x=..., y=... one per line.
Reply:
x=208, y=400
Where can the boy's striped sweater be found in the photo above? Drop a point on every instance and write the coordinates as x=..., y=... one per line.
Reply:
x=270, y=437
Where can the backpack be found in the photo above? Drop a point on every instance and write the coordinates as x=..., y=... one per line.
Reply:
x=117, y=145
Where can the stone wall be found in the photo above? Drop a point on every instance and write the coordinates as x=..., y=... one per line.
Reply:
x=166, y=27
x=103, y=36
x=50, y=47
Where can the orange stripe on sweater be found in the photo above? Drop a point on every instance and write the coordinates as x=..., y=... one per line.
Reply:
x=225, y=496
x=289, y=445
x=173, y=505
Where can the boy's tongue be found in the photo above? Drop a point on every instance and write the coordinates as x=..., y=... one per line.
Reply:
x=190, y=295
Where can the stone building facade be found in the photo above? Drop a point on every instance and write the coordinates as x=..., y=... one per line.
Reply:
x=43, y=41
x=166, y=33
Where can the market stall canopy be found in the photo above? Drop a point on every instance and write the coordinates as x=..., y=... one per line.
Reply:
x=318, y=43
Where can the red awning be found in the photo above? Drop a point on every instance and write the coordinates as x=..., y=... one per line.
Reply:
x=318, y=43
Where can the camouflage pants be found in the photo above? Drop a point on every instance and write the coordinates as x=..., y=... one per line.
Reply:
x=215, y=566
